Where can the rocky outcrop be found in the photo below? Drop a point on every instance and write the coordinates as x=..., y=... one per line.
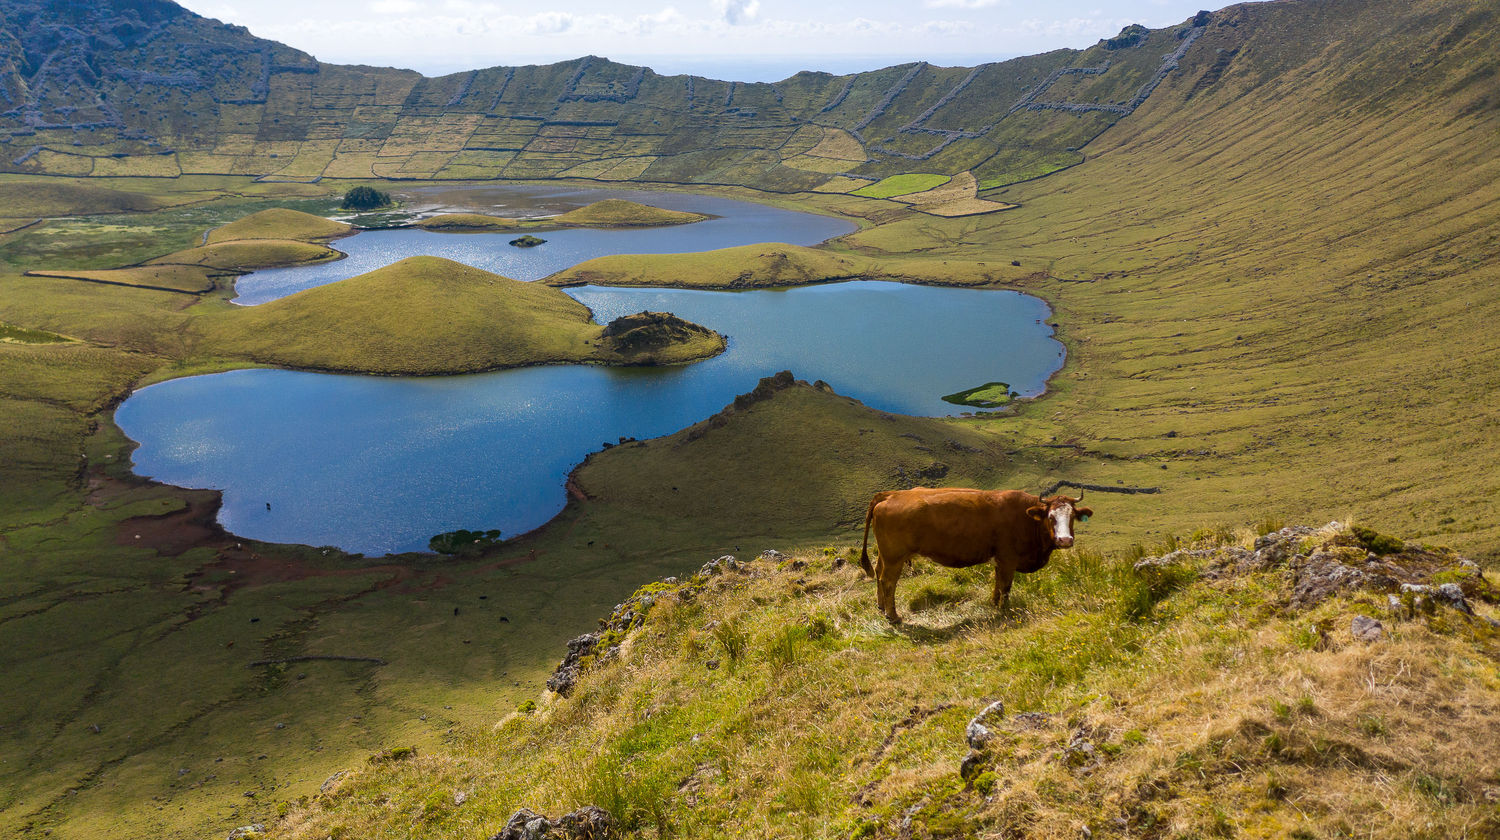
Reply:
x=1336, y=560
x=645, y=336
x=587, y=823
x=604, y=644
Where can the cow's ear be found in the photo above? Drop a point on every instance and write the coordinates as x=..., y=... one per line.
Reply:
x=1037, y=512
x=1083, y=513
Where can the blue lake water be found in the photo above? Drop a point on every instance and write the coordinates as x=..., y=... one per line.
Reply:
x=380, y=464
x=736, y=223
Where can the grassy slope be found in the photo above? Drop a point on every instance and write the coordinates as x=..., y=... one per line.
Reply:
x=775, y=702
x=422, y=315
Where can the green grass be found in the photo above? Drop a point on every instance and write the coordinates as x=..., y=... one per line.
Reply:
x=21, y=335
x=902, y=185
x=988, y=395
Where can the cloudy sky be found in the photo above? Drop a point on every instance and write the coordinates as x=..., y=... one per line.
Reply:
x=749, y=40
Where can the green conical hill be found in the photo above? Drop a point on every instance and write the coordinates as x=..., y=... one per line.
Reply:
x=280, y=223
x=427, y=315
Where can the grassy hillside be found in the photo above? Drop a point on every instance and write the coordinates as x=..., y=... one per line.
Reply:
x=168, y=93
x=1204, y=694
x=426, y=316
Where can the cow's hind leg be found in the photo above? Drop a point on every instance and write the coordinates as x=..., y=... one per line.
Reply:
x=1003, y=578
x=888, y=570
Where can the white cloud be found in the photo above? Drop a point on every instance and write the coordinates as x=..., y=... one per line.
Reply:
x=395, y=7
x=738, y=12
x=959, y=4
x=549, y=23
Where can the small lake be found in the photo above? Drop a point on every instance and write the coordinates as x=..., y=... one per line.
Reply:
x=735, y=223
x=380, y=464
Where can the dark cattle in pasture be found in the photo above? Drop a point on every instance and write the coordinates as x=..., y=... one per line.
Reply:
x=959, y=527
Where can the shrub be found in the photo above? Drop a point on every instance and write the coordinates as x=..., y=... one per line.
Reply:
x=365, y=198
x=1377, y=542
x=464, y=542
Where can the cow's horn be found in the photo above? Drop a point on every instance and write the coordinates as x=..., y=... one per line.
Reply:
x=1080, y=495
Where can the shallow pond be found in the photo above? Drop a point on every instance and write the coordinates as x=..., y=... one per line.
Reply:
x=380, y=464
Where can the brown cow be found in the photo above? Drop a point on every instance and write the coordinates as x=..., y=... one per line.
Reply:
x=958, y=527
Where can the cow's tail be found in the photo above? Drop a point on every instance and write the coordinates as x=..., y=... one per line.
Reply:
x=864, y=550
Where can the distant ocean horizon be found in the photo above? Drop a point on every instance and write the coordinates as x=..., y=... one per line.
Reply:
x=725, y=68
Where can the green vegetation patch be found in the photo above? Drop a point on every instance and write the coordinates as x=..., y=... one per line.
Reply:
x=988, y=395
x=464, y=541
x=528, y=241
x=902, y=185
x=12, y=334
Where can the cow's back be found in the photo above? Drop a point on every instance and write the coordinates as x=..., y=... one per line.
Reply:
x=951, y=526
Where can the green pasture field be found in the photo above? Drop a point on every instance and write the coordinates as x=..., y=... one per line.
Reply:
x=902, y=185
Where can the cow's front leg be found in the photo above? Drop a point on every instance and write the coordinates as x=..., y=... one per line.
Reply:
x=1003, y=577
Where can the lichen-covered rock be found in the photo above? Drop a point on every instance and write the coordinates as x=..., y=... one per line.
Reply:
x=567, y=672
x=248, y=832
x=1324, y=574
x=977, y=733
x=588, y=823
